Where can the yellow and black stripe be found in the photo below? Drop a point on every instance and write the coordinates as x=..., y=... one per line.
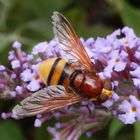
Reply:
x=53, y=71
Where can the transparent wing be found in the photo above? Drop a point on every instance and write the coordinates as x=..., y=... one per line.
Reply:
x=43, y=101
x=70, y=43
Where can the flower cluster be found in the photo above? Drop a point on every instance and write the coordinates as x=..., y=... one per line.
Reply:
x=116, y=57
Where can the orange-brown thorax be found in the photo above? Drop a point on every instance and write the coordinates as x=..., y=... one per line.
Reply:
x=56, y=71
x=88, y=85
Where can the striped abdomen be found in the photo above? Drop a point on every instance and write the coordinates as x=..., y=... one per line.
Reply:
x=53, y=71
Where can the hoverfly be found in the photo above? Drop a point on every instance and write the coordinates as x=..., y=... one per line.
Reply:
x=68, y=82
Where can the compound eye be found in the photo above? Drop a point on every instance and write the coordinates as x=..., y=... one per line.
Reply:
x=78, y=80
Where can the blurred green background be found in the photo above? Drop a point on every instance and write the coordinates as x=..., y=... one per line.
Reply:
x=29, y=22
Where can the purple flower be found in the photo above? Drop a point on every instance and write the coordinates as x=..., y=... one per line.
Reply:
x=18, y=89
x=17, y=45
x=11, y=56
x=107, y=73
x=37, y=123
x=137, y=51
x=13, y=94
x=2, y=68
x=137, y=54
x=130, y=39
x=40, y=48
x=15, y=64
x=25, y=65
x=115, y=57
x=115, y=84
x=128, y=118
x=113, y=38
x=101, y=48
x=26, y=75
x=30, y=57
x=136, y=72
x=5, y=115
x=111, y=101
x=136, y=82
x=52, y=50
x=89, y=43
x=13, y=75
x=129, y=33
x=117, y=60
x=130, y=109
x=133, y=66
x=34, y=85
x=108, y=103
x=136, y=106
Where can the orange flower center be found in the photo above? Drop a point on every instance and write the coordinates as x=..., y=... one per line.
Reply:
x=36, y=77
x=133, y=109
x=117, y=59
x=126, y=42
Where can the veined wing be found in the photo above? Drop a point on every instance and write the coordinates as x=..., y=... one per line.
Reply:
x=72, y=45
x=43, y=101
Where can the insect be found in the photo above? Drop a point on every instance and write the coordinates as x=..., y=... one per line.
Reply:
x=68, y=81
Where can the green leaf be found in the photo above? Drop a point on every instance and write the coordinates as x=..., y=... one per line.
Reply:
x=44, y=8
x=3, y=41
x=137, y=130
x=9, y=130
x=77, y=18
x=42, y=26
x=129, y=15
x=115, y=127
x=42, y=133
x=98, y=30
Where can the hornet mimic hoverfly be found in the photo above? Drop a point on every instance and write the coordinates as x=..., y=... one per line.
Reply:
x=67, y=82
